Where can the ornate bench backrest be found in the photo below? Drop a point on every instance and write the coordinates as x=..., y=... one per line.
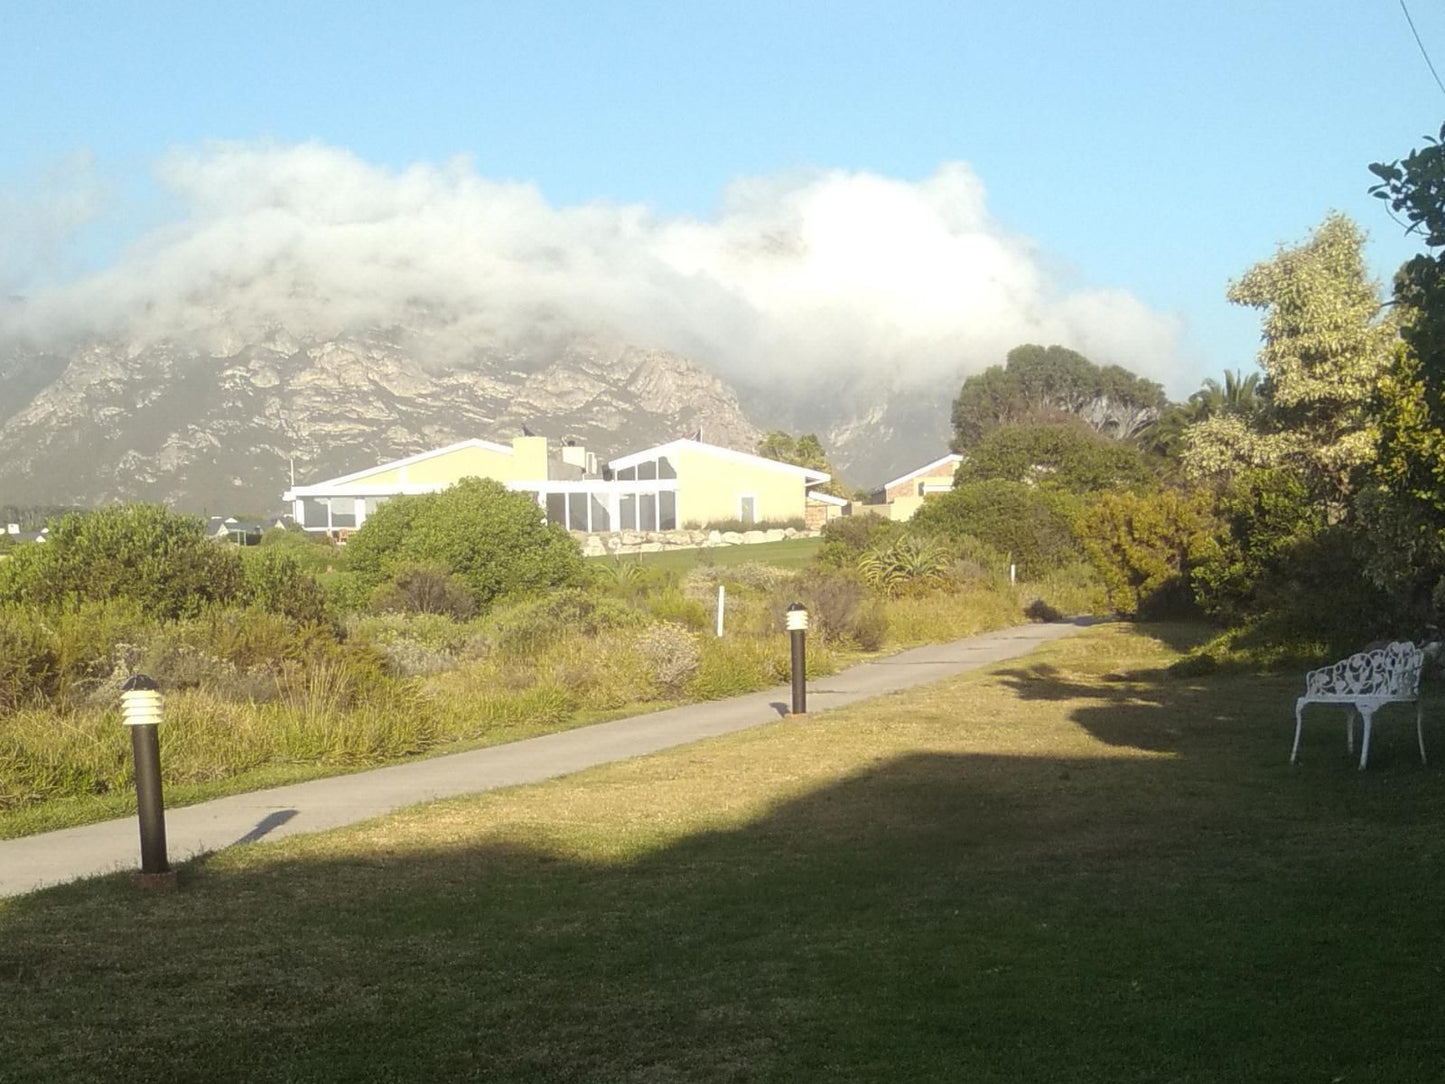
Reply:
x=1392, y=671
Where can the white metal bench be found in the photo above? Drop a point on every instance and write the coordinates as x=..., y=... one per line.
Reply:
x=1365, y=683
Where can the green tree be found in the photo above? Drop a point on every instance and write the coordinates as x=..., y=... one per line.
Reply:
x=143, y=552
x=491, y=539
x=804, y=451
x=1325, y=347
x=1032, y=524
x=1412, y=394
x=1071, y=456
x=1050, y=384
x=1146, y=545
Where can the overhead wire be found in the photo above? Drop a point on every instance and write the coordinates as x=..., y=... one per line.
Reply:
x=1428, y=63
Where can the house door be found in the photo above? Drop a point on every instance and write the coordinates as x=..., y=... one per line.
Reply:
x=747, y=509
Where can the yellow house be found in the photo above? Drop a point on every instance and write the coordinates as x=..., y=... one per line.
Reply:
x=680, y=483
x=344, y=503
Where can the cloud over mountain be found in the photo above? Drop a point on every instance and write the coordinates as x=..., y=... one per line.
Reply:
x=822, y=274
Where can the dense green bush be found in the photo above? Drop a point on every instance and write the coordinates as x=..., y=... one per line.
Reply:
x=274, y=580
x=493, y=540
x=1031, y=524
x=313, y=551
x=1146, y=545
x=425, y=589
x=1269, y=519
x=142, y=552
x=845, y=539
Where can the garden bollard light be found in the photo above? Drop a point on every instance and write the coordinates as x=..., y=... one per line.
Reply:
x=797, y=620
x=141, y=711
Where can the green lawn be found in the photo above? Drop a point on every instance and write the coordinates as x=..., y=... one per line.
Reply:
x=1069, y=868
x=792, y=553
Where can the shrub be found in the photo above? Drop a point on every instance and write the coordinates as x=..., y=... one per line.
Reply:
x=346, y=592
x=870, y=626
x=425, y=589
x=703, y=581
x=670, y=651
x=672, y=605
x=273, y=580
x=493, y=540
x=1039, y=610
x=29, y=666
x=141, y=552
x=1145, y=545
x=833, y=601
x=1031, y=524
x=845, y=538
x=313, y=551
x=976, y=564
x=908, y=562
x=529, y=628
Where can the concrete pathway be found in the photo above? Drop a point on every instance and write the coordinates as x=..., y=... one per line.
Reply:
x=55, y=857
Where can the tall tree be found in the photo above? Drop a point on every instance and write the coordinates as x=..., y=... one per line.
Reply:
x=1038, y=384
x=1324, y=349
x=1412, y=394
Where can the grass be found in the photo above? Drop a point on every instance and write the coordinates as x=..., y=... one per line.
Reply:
x=793, y=553
x=1070, y=868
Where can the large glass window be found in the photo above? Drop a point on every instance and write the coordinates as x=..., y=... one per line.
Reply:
x=667, y=510
x=343, y=512
x=627, y=474
x=747, y=509
x=600, y=518
x=665, y=469
x=313, y=512
x=577, y=511
x=647, y=471
x=647, y=512
x=627, y=512
x=557, y=509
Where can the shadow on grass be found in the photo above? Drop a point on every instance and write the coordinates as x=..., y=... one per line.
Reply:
x=1205, y=915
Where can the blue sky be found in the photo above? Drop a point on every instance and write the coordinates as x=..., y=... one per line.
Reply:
x=1157, y=148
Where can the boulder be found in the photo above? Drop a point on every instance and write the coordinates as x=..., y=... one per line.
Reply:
x=650, y=547
x=714, y=538
x=752, y=538
x=777, y=534
x=732, y=538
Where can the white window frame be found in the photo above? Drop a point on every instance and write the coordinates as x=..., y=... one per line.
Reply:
x=754, y=498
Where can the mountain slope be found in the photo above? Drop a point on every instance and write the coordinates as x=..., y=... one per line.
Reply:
x=115, y=421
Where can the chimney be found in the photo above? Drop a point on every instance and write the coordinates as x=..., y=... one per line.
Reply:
x=574, y=454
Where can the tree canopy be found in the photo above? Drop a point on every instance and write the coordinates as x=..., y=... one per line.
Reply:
x=1072, y=456
x=1049, y=384
x=804, y=451
x=1324, y=350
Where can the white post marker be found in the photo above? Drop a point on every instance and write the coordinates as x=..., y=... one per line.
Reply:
x=722, y=601
x=1011, y=569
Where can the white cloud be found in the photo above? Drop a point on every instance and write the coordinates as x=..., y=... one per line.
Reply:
x=832, y=273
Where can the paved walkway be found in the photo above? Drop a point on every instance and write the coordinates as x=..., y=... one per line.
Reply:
x=54, y=857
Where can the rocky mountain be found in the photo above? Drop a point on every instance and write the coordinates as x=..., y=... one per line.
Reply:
x=873, y=430
x=221, y=431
